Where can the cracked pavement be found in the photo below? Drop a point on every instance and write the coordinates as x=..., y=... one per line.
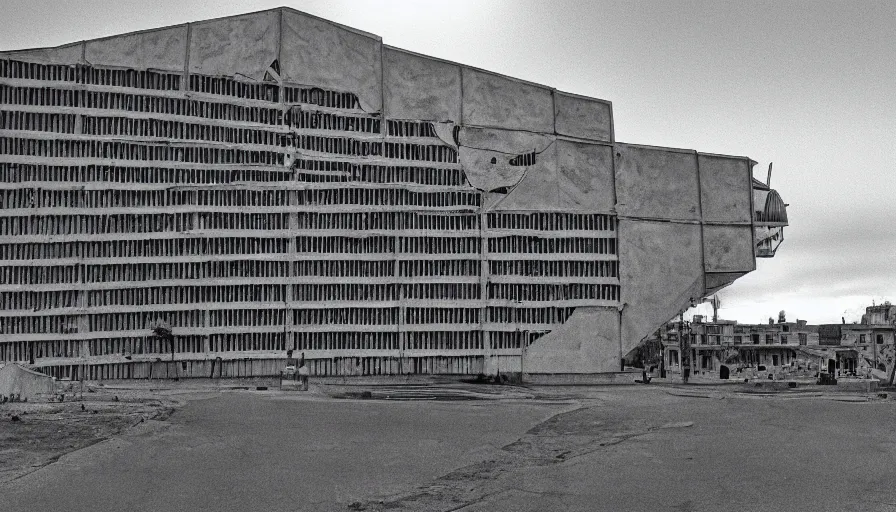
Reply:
x=571, y=449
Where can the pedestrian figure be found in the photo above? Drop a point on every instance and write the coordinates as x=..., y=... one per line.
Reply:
x=303, y=373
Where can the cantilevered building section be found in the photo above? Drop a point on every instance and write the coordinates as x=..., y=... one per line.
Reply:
x=276, y=181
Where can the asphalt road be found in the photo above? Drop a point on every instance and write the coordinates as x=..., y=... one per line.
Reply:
x=632, y=448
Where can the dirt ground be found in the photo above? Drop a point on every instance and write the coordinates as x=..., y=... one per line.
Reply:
x=37, y=433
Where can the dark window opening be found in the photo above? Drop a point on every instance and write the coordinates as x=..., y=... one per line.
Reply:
x=523, y=160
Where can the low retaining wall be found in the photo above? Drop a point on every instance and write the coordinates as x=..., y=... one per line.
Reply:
x=581, y=379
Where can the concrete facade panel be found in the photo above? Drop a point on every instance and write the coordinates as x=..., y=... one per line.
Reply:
x=486, y=154
x=501, y=102
x=725, y=185
x=538, y=189
x=239, y=45
x=588, y=342
x=661, y=272
x=715, y=281
x=163, y=49
x=586, y=118
x=585, y=174
x=656, y=183
x=323, y=54
x=728, y=248
x=485, y=175
x=418, y=87
x=68, y=54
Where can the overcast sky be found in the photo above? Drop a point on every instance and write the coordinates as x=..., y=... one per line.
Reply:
x=808, y=85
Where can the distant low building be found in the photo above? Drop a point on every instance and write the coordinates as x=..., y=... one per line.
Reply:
x=723, y=346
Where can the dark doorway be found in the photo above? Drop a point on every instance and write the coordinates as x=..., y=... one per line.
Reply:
x=832, y=366
x=723, y=372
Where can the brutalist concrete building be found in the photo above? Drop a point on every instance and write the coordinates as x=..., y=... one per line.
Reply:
x=274, y=181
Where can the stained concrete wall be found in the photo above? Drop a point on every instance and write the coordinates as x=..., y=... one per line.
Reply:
x=588, y=342
x=539, y=188
x=715, y=281
x=161, y=49
x=728, y=248
x=65, y=54
x=419, y=87
x=218, y=47
x=321, y=53
x=586, y=118
x=726, y=188
x=586, y=177
x=24, y=383
x=661, y=269
x=657, y=183
x=497, y=101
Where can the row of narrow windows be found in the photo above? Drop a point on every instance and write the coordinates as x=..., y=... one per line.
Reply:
x=304, y=170
x=149, y=248
x=554, y=268
x=162, y=81
x=131, y=127
x=304, y=244
x=99, y=223
x=552, y=292
x=124, y=273
x=138, y=223
x=135, y=151
x=551, y=221
x=19, y=173
x=330, y=171
x=353, y=147
x=400, y=128
x=46, y=97
x=148, y=320
x=297, y=117
x=536, y=245
x=166, y=295
x=82, y=74
x=37, y=121
x=54, y=198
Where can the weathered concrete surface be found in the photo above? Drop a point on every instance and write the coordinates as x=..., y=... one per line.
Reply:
x=486, y=153
x=586, y=118
x=586, y=177
x=657, y=183
x=538, y=189
x=717, y=281
x=662, y=272
x=601, y=449
x=502, y=102
x=586, y=343
x=726, y=188
x=218, y=47
x=163, y=49
x=245, y=452
x=66, y=54
x=24, y=383
x=420, y=87
x=320, y=53
x=634, y=449
x=728, y=248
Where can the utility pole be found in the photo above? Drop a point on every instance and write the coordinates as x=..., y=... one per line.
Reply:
x=684, y=349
